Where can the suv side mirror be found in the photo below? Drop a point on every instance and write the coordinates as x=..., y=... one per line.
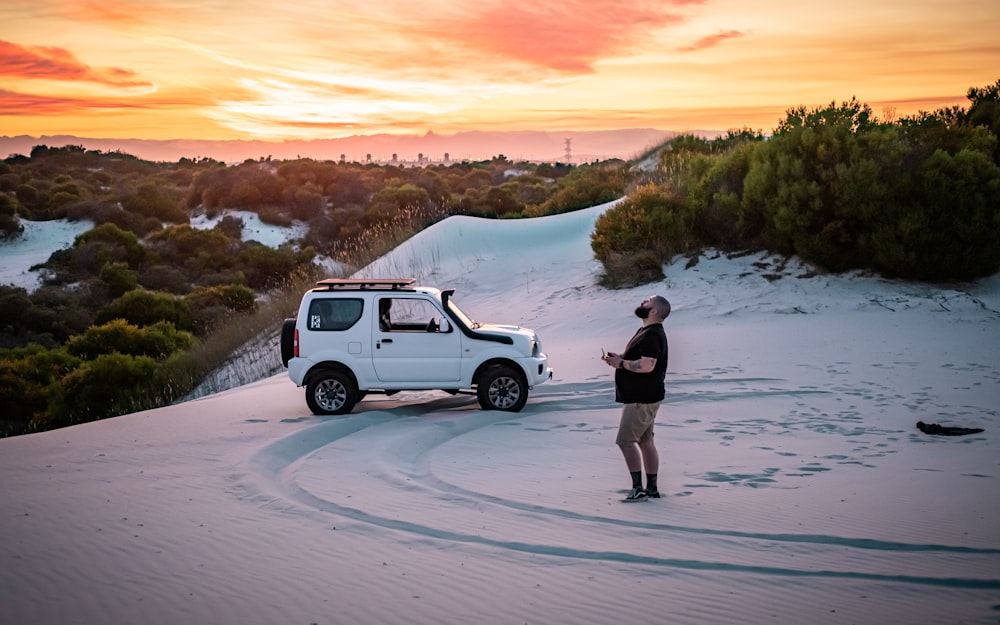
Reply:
x=445, y=325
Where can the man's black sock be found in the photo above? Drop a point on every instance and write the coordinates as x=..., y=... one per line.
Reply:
x=636, y=479
x=651, y=482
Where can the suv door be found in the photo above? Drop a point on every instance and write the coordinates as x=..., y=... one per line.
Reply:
x=409, y=344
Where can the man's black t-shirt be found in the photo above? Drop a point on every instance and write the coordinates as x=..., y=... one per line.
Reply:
x=643, y=388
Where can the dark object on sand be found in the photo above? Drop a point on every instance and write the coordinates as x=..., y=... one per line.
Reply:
x=946, y=430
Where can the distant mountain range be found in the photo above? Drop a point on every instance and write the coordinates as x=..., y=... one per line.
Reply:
x=571, y=147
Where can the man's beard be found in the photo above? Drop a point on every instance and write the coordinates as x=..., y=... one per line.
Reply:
x=641, y=312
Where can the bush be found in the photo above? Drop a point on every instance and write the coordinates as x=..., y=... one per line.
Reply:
x=145, y=308
x=157, y=341
x=55, y=314
x=649, y=220
x=917, y=200
x=398, y=198
x=211, y=306
x=193, y=249
x=10, y=225
x=583, y=187
x=14, y=304
x=947, y=223
x=150, y=199
x=29, y=378
x=623, y=271
x=821, y=180
x=95, y=248
x=108, y=386
x=306, y=201
x=984, y=111
x=118, y=279
x=267, y=268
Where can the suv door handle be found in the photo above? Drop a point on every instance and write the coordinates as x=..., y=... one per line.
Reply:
x=386, y=341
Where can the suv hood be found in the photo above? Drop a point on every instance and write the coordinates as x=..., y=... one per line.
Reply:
x=523, y=339
x=505, y=330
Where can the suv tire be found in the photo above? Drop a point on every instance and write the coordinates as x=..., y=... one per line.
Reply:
x=502, y=387
x=287, y=341
x=331, y=391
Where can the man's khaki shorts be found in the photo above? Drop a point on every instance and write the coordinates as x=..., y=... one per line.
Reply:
x=637, y=423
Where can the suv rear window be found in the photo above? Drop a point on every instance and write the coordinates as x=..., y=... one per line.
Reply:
x=334, y=314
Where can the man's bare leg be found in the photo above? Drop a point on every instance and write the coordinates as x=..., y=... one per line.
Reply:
x=650, y=457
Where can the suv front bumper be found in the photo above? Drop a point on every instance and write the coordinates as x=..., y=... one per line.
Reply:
x=538, y=370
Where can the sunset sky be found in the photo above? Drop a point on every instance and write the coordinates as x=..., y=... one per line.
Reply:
x=226, y=69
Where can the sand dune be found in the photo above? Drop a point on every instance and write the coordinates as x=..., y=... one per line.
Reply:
x=796, y=486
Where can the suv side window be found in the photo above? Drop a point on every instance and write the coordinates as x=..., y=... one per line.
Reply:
x=334, y=314
x=398, y=314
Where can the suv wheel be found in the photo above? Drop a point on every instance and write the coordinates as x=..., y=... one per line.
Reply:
x=331, y=392
x=502, y=387
x=287, y=341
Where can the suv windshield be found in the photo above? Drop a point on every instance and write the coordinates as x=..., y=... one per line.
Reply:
x=453, y=307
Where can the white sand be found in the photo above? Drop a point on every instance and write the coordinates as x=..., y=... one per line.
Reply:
x=33, y=247
x=253, y=228
x=796, y=487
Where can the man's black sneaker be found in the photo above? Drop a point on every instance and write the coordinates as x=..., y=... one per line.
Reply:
x=636, y=494
x=653, y=494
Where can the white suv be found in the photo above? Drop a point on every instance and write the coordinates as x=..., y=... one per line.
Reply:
x=354, y=337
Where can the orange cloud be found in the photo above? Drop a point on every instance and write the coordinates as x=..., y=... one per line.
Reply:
x=24, y=104
x=17, y=104
x=108, y=11
x=712, y=40
x=39, y=62
x=567, y=36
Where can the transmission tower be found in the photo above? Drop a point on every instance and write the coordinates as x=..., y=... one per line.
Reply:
x=569, y=152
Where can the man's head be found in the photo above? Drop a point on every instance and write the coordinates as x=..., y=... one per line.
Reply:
x=654, y=309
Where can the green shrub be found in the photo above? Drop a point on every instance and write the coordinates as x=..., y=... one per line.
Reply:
x=820, y=182
x=145, y=308
x=211, y=306
x=10, y=226
x=164, y=277
x=118, y=279
x=108, y=386
x=151, y=199
x=947, y=223
x=195, y=250
x=394, y=199
x=93, y=249
x=651, y=219
x=623, y=271
x=29, y=378
x=713, y=188
x=54, y=314
x=157, y=341
x=266, y=268
x=583, y=187
x=984, y=112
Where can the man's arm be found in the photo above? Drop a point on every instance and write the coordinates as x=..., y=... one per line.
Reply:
x=644, y=364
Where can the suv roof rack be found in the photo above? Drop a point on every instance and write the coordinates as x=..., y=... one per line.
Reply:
x=364, y=284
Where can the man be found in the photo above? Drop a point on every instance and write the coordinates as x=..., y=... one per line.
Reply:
x=639, y=375
x=384, y=319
